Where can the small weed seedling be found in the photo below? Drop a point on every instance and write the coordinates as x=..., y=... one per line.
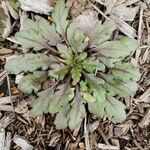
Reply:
x=87, y=70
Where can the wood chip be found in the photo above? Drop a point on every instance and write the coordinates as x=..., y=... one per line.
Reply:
x=146, y=119
x=5, y=141
x=22, y=142
x=93, y=126
x=4, y=51
x=40, y=6
x=124, y=27
x=125, y=13
x=107, y=147
x=5, y=121
x=145, y=97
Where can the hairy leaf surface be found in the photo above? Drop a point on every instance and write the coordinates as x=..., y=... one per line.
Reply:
x=28, y=62
x=102, y=32
x=37, y=35
x=118, y=48
x=76, y=38
x=125, y=72
x=59, y=16
x=76, y=115
x=32, y=82
x=114, y=108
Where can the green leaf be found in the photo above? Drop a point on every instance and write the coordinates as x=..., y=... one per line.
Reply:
x=32, y=82
x=94, y=81
x=61, y=120
x=76, y=74
x=76, y=115
x=102, y=32
x=58, y=71
x=60, y=98
x=118, y=87
x=59, y=16
x=125, y=72
x=48, y=32
x=37, y=108
x=114, y=108
x=97, y=107
x=65, y=52
x=28, y=62
x=41, y=104
x=99, y=92
x=118, y=48
x=35, y=35
x=91, y=64
x=88, y=97
x=14, y=4
x=83, y=86
x=109, y=62
x=76, y=38
x=81, y=57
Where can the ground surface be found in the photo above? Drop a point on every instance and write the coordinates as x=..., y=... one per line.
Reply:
x=132, y=134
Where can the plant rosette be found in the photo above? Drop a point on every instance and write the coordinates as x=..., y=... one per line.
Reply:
x=86, y=69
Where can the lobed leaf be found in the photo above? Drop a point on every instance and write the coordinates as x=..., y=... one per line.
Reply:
x=58, y=71
x=59, y=16
x=91, y=64
x=102, y=32
x=32, y=82
x=59, y=99
x=118, y=87
x=41, y=104
x=125, y=72
x=37, y=35
x=114, y=108
x=118, y=48
x=76, y=115
x=76, y=38
x=76, y=74
x=28, y=62
x=65, y=52
x=88, y=97
x=61, y=120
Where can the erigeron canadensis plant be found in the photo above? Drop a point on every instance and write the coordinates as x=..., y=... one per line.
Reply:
x=86, y=69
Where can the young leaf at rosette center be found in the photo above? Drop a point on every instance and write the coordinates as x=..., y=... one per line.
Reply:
x=28, y=62
x=88, y=97
x=58, y=71
x=65, y=52
x=32, y=82
x=114, y=108
x=118, y=48
x=125, y=72
x=102, y=32
x=61, y=120
x=76, y=115
x=59, y=16
x=91, y=64
x=76, y=74
x=76, y=38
